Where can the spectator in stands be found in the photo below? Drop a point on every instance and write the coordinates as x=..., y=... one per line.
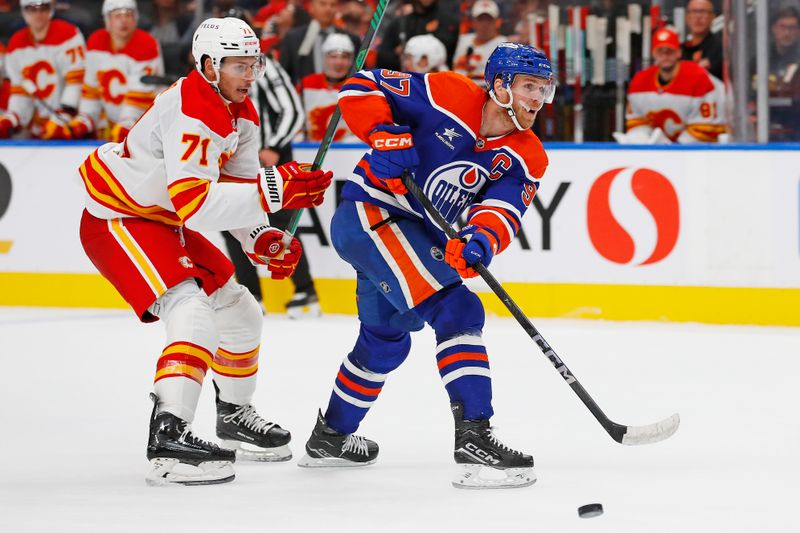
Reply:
x=674, y=100
x=702, y=46
x=354, y=16
x=319, y=92
x=114, y=96
x=427, y=16
x=424, y=53
x=473, y=49
x=784, y=76
x=169, y=25
x=45, y=64
x=301, y=47
x=281, y=117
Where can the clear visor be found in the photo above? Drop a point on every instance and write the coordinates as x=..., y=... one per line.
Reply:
x=251, y=68
x=536, y=89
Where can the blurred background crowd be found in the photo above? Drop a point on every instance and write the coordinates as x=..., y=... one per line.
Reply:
x=597, y=47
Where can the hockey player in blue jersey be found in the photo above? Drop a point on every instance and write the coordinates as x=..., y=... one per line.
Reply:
x=468, y=150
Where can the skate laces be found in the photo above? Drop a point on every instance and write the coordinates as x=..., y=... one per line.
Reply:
x=493, y=438
x=356, y=444
x=189, y=437
x=250, y=418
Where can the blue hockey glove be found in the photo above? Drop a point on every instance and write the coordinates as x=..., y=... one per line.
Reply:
x=392, y=152
x=475, y=245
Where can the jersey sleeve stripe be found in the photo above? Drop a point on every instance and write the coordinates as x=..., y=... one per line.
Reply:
x=509, y=217
x=106, y=191
x=227, y=178
x=74, y=76
x=188, y=195
x=90, y=93
x=497, y=224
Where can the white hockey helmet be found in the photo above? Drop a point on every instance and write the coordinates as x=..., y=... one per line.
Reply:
x=429, y=46
x=26, y=3
x=220, y=38
x=113, y=5
x=337, y=42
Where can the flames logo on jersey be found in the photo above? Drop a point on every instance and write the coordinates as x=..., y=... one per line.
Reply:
x=668, y=120
x=42, y=74
x=114, y=94
x=655, y=237
x=452, y=187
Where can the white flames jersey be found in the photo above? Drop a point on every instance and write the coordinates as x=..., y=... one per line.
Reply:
x=319, y=99
x=471, y=55
x=113, y=93
x=54, y=66
x=689, y=109
x=190, y=160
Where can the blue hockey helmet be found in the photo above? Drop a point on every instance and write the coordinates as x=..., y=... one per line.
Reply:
x=510, y=59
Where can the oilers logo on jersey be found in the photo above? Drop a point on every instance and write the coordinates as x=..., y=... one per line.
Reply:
x=453, y=186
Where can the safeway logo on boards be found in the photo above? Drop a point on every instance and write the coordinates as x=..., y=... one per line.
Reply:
x=637, y=239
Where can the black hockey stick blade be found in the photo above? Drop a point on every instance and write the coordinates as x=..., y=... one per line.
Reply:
x=628, y=435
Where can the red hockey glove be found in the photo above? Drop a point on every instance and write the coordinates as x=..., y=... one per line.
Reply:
x=264, y=246
x=292, y=186
x=392, y=152
x=9, y=123
x=474, y=246
x=81, y=127
x=57, y=127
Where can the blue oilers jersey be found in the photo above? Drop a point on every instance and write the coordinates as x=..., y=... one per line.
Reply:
x=492, y=179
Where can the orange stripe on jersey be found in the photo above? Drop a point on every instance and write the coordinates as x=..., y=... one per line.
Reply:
x=462, y=356
x=90, y=93
x=138, y=99
x=18, y=90
x=419, y=287
x=184, y=371
x=107, y=191
x=356, y=387
x=489, y=219
x=504, y=212
x=635, y=123
x=74, y=76
x=706, y=132
x=363, y=113
x=188, y=195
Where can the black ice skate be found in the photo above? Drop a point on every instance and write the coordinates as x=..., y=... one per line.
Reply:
x=172, y=445
x=327, y=448
x=303, y=304
x=477, y=451
x=242, y=429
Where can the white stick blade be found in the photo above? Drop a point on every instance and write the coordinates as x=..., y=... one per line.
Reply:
x=649, y=434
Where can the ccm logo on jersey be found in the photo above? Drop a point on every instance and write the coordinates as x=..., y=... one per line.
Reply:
x=392, y=142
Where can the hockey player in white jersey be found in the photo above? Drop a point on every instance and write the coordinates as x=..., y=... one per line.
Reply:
x=191, y=164
x=117, y=57
x=45, y=64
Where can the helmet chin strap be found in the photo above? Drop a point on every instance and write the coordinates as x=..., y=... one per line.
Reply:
x=508, y=107
x=215, y=84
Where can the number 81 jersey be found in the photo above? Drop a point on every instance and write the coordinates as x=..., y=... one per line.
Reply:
x=494, y=178
x=191, y=159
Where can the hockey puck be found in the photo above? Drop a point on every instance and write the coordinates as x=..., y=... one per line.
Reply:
x=590, y=510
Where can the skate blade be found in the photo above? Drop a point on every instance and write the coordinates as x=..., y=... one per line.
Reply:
x=209, y=473
x=484, y=477
x=329, y=462
x=307, y=311
x=255, y=453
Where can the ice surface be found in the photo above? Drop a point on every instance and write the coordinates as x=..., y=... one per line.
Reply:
x=75, y=410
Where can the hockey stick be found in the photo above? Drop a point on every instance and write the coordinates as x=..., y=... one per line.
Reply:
x=631, y=435
x=366, y=43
